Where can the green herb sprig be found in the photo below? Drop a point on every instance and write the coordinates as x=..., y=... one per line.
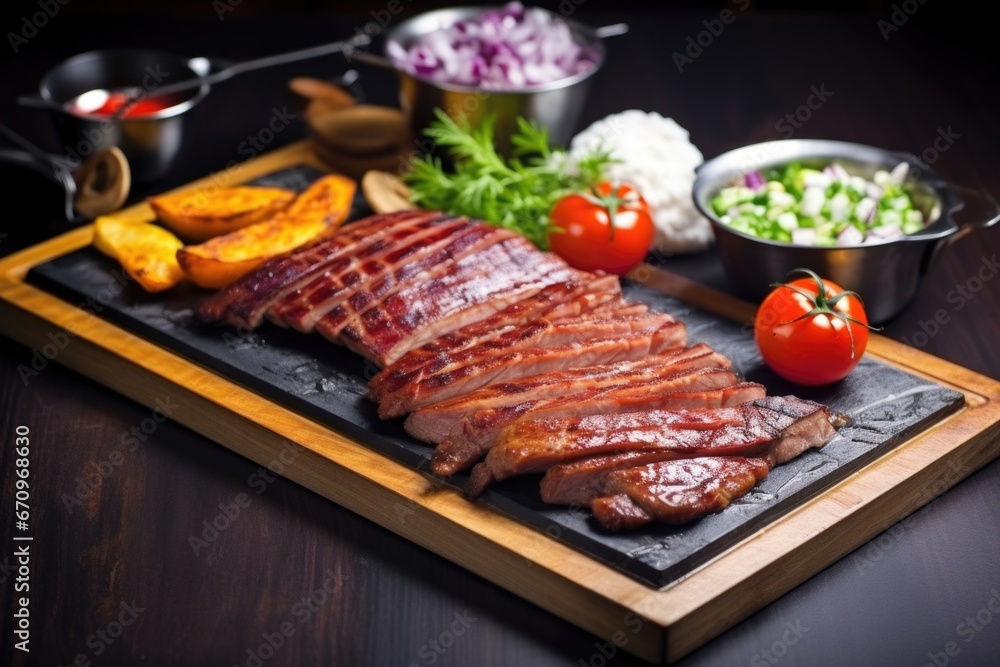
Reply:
x=517, y=193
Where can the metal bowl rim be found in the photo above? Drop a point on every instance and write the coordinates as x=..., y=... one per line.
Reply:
x=705, y=183
x=466, y=11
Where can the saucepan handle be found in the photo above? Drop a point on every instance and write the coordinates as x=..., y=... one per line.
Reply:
x=979, y=208
x=987, y=215
x=205, y=65
x=368, y=58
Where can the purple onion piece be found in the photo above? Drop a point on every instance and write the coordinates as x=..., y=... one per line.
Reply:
x=850, y=235
x=886, y=232
x=754, y=180
x=837, y=173
x=513, y=9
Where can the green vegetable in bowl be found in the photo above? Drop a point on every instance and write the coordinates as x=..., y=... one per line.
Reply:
x=828, y=207
x=516, y=193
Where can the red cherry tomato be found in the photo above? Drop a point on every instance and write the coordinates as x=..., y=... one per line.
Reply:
x=811, y=331
x=609, y=229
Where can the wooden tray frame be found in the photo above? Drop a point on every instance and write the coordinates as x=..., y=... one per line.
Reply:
x=660, y=626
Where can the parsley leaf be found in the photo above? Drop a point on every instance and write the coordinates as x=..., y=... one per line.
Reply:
x=516, y=193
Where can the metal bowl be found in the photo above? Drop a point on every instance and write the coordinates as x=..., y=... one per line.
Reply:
x=556, y=105
x=886, y=275
x=150, y=142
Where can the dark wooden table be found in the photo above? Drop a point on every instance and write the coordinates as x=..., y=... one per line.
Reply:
x=118, y=496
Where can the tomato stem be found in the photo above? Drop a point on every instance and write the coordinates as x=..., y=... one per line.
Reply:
x=610, y=202
x=824, y=305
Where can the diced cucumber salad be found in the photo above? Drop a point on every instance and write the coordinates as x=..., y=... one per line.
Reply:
x=832, y=207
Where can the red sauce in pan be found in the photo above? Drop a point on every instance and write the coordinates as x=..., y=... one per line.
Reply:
x=141, y=107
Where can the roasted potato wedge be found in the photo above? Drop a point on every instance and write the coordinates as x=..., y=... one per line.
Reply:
x=147, y=252
x=321, y=208
x=200, y=214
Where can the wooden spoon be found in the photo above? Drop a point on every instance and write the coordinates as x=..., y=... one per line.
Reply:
x=364, y=129
x=319, y=97
x=330, y=95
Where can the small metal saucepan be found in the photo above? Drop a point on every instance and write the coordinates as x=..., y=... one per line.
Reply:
x=150, y=141
x=887, y=274
x=556, y=105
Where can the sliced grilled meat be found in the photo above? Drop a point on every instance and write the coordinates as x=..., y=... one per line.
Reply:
x=482, y=247
x=710, y=387
x=520, y=363
x=538, y=333
x=382, y=325
x=389, y=259
x=776, y=427
x=435, y=422
x=675, y=492
x=559, y=300
x=245, y=302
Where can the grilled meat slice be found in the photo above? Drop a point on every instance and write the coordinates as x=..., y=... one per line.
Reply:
x=710, y=387
x=245, y=302
x=522, y=362
x=538, y=333
x=435, y=422
x=438, y=305
x=776, y=427
x=620, y=513
x=581, y=481
x=482, y=246
x=389, y=258
x=675, y=492
x=559, y=300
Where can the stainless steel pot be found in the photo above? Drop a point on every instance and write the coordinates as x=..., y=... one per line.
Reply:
x=555, y=105
x=150, y=142
x=886, y=275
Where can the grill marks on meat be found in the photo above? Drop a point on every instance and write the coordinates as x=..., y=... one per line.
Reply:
x=435, y=422
x=523, y=362
x=675, y=492
x=481, y=247
x=477, y=433
x=753, y=429
x=537, y=333
x=513, y=362
x=245, y=302
x=480, y=285
x=387, y=284
x=558, y=300
x=384, y=258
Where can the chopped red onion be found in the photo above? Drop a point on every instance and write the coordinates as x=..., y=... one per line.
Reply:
x=873, y=191
x=883, y=232
x=837, y=173
x=503, y=49
x=754, y=180
x=850, y=235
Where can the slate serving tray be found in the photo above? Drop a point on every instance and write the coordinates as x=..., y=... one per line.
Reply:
x=328, y=383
